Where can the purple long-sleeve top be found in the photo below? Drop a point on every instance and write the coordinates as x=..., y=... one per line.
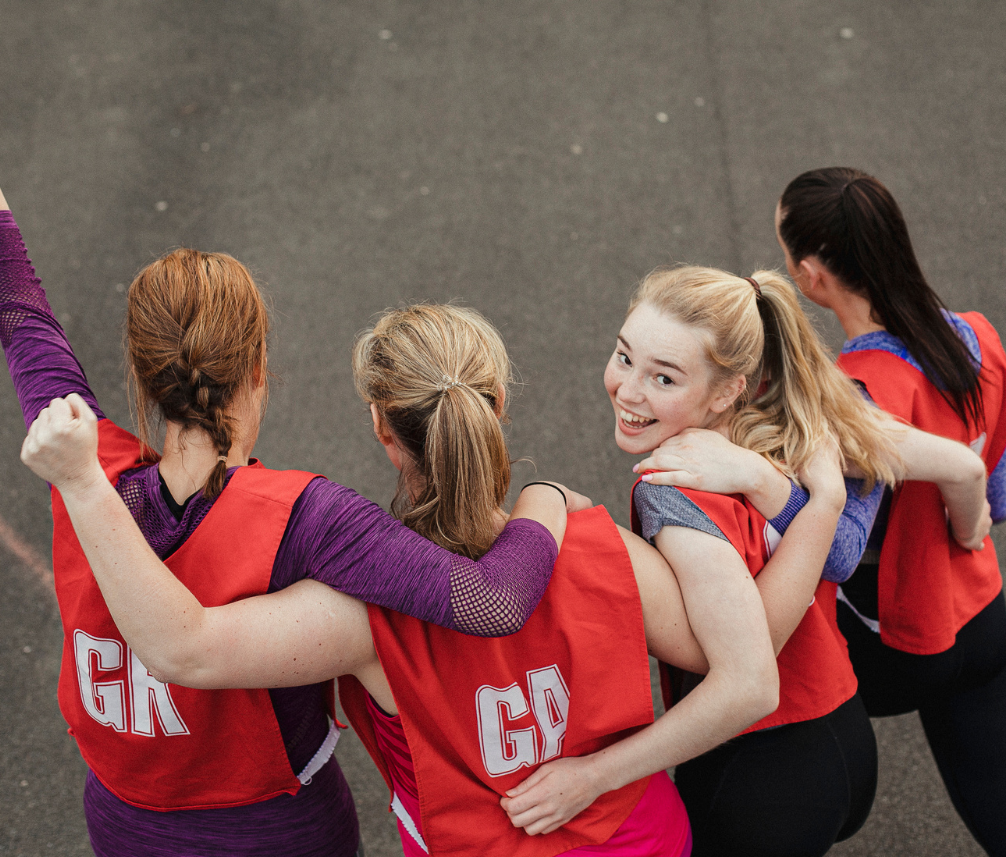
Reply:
x=335, y=536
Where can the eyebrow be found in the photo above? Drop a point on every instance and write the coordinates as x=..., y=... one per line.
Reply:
x=656, y=360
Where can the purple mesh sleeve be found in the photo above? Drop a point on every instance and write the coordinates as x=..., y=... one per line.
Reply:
x=41, y=362
x=853, y=527
x=342, y=539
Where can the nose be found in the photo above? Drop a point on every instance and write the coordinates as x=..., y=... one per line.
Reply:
x=631, y=389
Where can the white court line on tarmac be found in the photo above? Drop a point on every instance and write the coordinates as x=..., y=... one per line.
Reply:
x=27, y=554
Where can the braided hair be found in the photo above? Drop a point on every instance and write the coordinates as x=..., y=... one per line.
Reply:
x=196, y=327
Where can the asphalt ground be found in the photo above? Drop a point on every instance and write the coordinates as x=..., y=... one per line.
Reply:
x=531, y=159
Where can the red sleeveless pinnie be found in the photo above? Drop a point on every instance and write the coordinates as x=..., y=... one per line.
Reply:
x=481, y=715
x=162, y=746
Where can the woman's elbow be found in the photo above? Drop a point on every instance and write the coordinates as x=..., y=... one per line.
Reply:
x=971, y=472
x=769, y=695
x=165, y=674
x=755, y=690
x=501, y=622
x=178, y=670
x=762, y=694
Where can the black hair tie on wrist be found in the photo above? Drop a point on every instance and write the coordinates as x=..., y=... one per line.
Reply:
x=550, y=485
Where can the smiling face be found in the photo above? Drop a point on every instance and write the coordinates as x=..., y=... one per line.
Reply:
x=660, y=381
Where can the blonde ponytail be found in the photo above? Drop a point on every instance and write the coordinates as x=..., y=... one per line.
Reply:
x=806, y=395
x=438, y=375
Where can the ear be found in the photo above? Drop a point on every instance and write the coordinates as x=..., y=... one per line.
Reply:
x=386, y=438
x=259, y=371
x=380, y=430
x=811, y=273
x=728, y=392
x=500, y=401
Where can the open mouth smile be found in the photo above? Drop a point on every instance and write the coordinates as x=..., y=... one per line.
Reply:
x=633, y=422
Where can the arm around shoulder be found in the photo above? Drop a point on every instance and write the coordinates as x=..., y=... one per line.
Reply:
x=740, y=689
x=957, y=471
x=300, y=635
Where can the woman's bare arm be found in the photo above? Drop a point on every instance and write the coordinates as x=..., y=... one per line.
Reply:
x=956, y=470
x=741, y=687
x=303, y=634
x=790, y=578
x=724, y=609
x=705, y=460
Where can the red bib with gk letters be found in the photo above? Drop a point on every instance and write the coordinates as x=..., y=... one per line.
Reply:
x=162, y=746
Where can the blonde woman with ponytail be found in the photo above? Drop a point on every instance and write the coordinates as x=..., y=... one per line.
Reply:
x=440, y=422
x=704, y=349
x=436, y=380
x=175, y=770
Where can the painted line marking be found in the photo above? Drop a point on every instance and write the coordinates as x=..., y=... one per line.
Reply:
x=27, y=554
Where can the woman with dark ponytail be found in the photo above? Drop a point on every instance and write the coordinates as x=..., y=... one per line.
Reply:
x=923, y=615
x=239, y=772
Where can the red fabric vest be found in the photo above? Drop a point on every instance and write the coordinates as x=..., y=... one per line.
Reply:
x=166, y=747
x=815, y=674
x=481, y=715
x=929, y=586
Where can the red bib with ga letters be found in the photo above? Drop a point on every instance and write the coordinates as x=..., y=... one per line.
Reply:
x=815, y=674
x=928, y=586
x=480, y=715
x=162, y=746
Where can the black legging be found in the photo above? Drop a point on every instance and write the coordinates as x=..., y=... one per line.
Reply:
x=791, y=791
x=960, y=695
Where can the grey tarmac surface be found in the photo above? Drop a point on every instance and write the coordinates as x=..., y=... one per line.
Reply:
x=533, y=160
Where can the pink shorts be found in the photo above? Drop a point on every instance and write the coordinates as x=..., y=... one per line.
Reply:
x=657, y=827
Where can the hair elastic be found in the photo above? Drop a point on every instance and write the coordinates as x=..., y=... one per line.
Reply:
x=222, y=458
x=449, y=383
x=754, y=283
x=550, y=485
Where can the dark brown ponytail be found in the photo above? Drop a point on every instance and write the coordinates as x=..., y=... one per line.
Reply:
x=850, y=221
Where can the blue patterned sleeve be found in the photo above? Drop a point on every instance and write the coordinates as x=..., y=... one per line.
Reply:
x=853, y=527
x=996, y=491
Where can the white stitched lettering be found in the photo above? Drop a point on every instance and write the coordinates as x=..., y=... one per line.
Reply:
x=149, y=696
x=550, y=704
x=103, y=700
x=504, y=750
